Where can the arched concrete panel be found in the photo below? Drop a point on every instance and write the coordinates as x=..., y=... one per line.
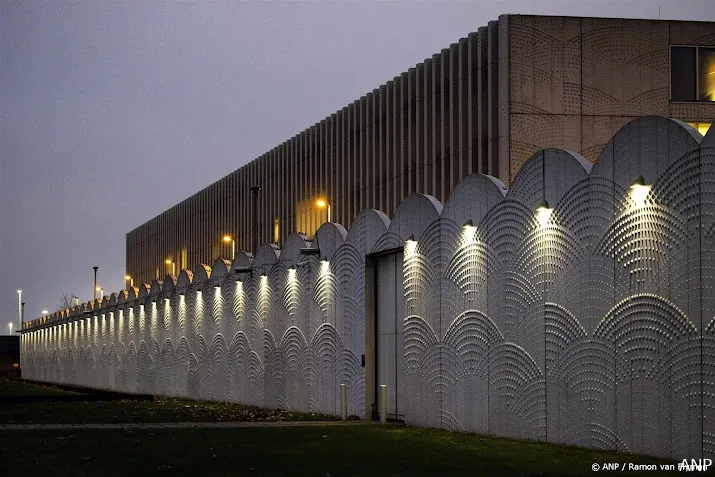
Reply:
x=144, y=290
x=243, y=259
x=472, y=198
x=293, y=243
x=156, y=286
x=133, y=293
x=266, y=255
x=202, y=273
x=548, y=175
x=366, y=230
x=122, y=297
x=112, y=300
x=169, y=283
x=186, y=277
x=328, y=238
x=413, y=216
x=644, y=147
x=221, y=268
x=709, y=139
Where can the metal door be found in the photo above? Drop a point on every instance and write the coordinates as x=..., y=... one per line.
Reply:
x=389, y=316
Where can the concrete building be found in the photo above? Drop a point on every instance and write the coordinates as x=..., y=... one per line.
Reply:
x=485, y=104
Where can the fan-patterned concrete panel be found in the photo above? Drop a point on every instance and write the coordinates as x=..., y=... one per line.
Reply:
x=591, y=322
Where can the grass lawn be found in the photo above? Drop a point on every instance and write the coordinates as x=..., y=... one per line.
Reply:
x=356, y=450
x=11, y=387
x=157, y=410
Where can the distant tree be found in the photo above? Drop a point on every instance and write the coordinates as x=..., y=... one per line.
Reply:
x=66, y=301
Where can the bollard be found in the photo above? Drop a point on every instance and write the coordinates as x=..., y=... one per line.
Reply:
x=383, y=403
x=344, y=402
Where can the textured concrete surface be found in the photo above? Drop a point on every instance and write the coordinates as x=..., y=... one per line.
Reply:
x=593, y=326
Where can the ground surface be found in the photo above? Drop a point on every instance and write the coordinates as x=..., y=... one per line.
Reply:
x=272, y=449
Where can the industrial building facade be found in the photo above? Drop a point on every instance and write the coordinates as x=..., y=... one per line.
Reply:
x=485, y=104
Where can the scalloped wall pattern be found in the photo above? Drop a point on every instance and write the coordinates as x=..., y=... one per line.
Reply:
x=594, y=328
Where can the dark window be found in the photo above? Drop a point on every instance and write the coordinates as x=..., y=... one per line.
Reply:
x=682, y=73
x=692, y=73
x=706, y=74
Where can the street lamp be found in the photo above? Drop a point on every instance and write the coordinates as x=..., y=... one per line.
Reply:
x=322, y=203
x=228, y=238
x=19, y=307
x=173, y=265
x=44, y=312
x=129, y=279
x=101, y=290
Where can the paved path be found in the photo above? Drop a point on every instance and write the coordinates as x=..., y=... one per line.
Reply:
x=179, y=425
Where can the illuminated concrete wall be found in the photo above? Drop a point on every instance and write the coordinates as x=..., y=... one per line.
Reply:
x=594, y=325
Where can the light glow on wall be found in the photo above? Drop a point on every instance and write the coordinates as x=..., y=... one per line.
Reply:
x=639, y=192
x=469, y=231
x=543, y=213
x=410, y=245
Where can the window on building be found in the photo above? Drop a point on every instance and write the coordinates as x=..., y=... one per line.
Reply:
x=692, y=73
x=702, y=128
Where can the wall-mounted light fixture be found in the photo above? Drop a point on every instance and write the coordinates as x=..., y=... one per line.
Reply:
x=639, y=191
x=411, y=244
x=543, y=213
x=469, y=230
x=310, y=251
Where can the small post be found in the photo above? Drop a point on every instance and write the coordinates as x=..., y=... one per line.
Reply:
x=383, y=403
x=344, y=402
x=254, y=189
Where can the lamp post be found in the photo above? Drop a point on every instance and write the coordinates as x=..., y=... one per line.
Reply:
x=10, y=326
x=228, y=238
x=19, y=307
x=101, y=290
x=254, y=190
x=129, y=279
x=173, y=265
x=95, y=268
x=322, y=203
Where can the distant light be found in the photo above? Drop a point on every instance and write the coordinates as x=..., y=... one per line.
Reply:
x=44, y=312
x=168, y=262
x=543, y=213
x=321, y=203
x=639, y=191
x=98, y=288
x=127, y=277
x=227, y=238
x=19, y=291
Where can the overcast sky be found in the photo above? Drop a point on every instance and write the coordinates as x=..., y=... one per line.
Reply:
x=112, y=112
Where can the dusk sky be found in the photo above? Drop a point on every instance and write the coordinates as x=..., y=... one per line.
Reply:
x=112, y=112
